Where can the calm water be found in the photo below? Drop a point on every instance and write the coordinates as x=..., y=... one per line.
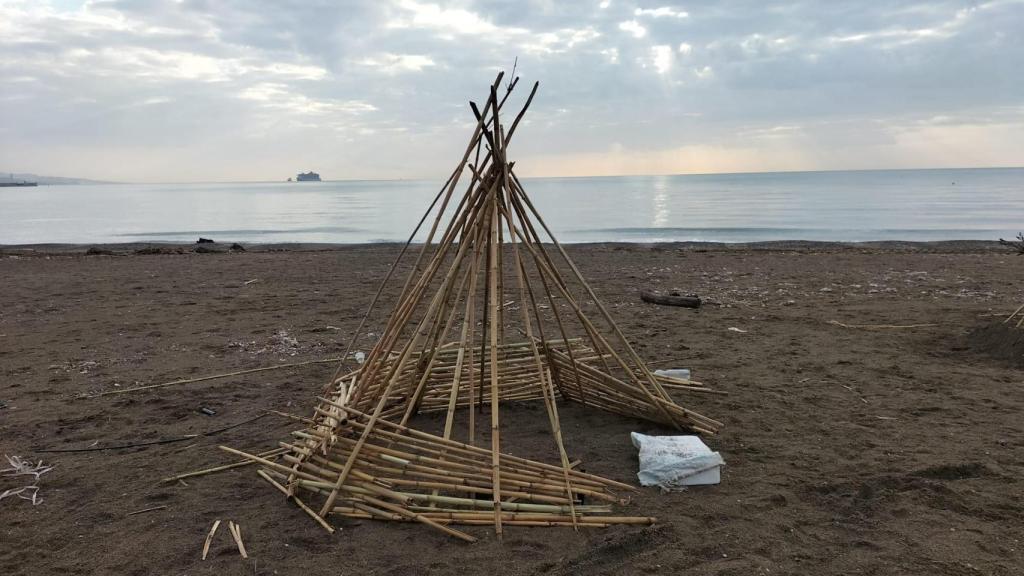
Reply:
x=849, y=206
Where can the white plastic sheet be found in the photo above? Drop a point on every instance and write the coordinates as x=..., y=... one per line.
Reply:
x=674, y=462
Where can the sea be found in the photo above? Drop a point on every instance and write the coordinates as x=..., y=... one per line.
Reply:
x=849, y=206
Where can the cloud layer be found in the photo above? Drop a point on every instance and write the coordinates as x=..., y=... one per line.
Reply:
x=149, y=90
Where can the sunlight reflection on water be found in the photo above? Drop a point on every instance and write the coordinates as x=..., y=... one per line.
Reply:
x=840, y=206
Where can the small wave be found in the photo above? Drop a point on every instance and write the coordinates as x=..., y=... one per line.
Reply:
x=762, y=230
x=757, y=234
x=245, y=232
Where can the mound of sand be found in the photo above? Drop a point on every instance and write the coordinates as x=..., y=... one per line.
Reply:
x=998, y=340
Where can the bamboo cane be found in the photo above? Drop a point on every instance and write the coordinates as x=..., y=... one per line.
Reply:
x=209, y=538
x=492, y=278
x=330, y=529
x=413, y=435
x=206, y=471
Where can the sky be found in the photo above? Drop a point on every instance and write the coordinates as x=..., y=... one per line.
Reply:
x=228, y=90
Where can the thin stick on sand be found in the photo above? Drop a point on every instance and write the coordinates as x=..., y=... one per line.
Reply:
x=236, y=534
x=1015, y=312
x=144, y=510
x=154, y=442
x=880, y=326
x=213, y=377
x=209, y=538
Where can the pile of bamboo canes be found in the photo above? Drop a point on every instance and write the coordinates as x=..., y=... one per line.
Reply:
x=517, y=376
x=491, y=313
x=408, y=475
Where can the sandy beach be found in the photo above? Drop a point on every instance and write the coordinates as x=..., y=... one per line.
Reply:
x=849, y=449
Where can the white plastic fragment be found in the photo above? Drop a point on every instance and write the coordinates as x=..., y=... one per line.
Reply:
x=678, y=373
x=674, y=462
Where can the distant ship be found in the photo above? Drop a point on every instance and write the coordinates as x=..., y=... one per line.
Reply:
x=308, y=177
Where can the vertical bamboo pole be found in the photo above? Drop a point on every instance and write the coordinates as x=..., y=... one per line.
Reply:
x=492, y=278
x=496, y=328
x=483, y=337
x=501, y=277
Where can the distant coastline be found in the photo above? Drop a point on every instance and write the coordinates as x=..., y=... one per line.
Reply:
x=47, y=180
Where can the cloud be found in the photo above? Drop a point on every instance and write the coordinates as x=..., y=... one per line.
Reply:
x=138, y=89
x=451, y=24
x=704, y=72
x=448, y=20
x=557, y=41
x=398, y=63
x=661, y=58
x=662, y=12
x=633, y=27
x=281, y=98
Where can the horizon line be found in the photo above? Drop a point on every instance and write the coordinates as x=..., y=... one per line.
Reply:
x=421, y=179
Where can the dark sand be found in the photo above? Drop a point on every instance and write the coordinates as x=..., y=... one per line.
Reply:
x=849, y=451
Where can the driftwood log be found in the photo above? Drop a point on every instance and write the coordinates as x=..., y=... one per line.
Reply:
x=670, y=299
